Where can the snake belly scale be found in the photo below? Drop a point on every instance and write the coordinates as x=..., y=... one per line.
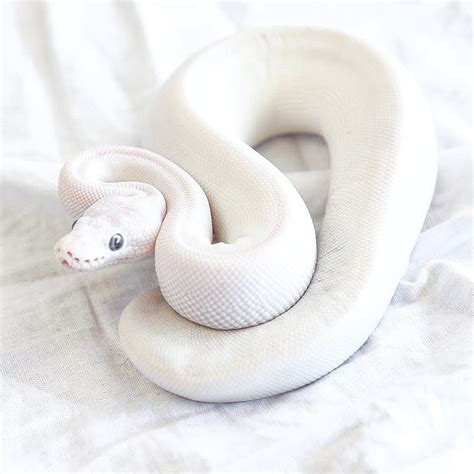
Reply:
x=242, y=312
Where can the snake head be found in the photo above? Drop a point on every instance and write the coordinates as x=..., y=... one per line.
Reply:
x=114, y=229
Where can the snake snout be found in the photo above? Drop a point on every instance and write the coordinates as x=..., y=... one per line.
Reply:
x=74, y=256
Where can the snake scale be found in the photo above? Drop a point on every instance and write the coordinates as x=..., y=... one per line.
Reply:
x=246, y=308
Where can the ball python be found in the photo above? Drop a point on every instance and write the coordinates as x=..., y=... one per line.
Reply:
x=246, y=308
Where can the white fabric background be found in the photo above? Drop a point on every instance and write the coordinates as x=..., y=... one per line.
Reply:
x=81, y=74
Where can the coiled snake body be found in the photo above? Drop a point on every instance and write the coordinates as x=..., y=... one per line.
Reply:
x=233, y=241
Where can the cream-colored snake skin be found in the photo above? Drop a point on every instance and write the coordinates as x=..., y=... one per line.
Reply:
x=250, y=269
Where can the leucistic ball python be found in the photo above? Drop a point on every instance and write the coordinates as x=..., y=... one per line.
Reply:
x=242, y=311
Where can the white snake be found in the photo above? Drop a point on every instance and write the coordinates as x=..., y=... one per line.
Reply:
x=253, y=263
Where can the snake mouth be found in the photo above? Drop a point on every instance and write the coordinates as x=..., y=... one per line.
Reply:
x=69, y=261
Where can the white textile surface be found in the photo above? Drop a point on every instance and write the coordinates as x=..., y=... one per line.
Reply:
x=77, y=74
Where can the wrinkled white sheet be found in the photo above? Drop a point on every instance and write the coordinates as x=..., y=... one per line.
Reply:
x=81, y=74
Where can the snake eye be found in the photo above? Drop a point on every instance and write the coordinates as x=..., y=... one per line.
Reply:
x=74, y=223
x=116, y=242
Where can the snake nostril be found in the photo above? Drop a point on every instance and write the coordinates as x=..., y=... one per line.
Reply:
x=76, y=259
x=69, y=253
